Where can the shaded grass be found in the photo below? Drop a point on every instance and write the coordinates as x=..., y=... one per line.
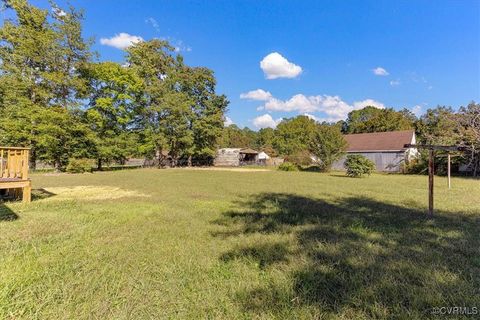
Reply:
x=213, y=244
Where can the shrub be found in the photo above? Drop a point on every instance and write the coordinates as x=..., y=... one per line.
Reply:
x=79, y=165
x=357, y=165
x=288, y=166
x=300, y=158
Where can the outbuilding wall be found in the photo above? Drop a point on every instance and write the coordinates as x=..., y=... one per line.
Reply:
x=384, y=161
x=227, y=157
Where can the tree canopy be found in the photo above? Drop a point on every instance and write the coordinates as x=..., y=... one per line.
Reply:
x=57, y=100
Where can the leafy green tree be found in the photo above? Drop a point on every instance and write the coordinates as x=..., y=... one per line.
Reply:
x=439, y=126
x=175, y=126
x=265, y=140
x=294, y=135
x=328, y=145
x=234, y=137
x=153, y=62
x=39, y=63
x=111, y=110
x=371, y=119
x=207, y=111
x=470, y=121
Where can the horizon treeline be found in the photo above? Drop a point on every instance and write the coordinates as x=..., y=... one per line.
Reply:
x=57, y=98
x=441, y=126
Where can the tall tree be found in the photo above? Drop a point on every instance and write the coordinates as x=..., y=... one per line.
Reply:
x=265, y=141
x=470, y=120
x=294, y=135
x=39, y=61
x=327, y=145
x=153, y=61
x=113, y=92
x=234, y=137
x=207, y=111
x=441, y=126
x=371, y=119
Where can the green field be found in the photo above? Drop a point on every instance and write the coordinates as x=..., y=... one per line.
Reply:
x=188, y=244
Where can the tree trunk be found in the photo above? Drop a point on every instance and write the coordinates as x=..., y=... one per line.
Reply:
x=57, y=165
x=32, y=162
x=99, y=164
x=189, y=161
x=476, y=165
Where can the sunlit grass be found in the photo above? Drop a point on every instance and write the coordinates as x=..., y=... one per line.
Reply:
x=187, y=244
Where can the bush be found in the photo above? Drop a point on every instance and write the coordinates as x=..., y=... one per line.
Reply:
x=288, y=166
x=300, y=158
x=357, y=165
x=79, y=165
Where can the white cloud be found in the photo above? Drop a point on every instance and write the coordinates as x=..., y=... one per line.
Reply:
x=228, y=121
x=395, y=83
x=121, y=41
x=417, y=110
x=259, y=95
x=276, y=66
x=368, y=102
x=379, y=71
x=154, y=23
x=265, y=121
x=333, y=107
x=311, y=116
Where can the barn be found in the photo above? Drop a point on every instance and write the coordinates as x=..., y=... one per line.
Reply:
x=385, y=149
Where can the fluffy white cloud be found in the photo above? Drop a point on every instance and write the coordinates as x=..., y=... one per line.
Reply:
x=265, y=121
x=379, y=71
x=368, y=102
x=121, y=41
x=333, y=107
x=276, y=66
x=228, y=121
x=259, y=95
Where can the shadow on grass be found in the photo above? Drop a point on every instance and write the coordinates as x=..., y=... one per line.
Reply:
x=356, y=256
x=39, y=194
x=6, y=214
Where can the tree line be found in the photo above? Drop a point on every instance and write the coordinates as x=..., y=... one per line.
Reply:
x=56, y=98
x=293, y=138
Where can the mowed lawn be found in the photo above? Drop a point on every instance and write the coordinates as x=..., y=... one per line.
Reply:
x=190, y=244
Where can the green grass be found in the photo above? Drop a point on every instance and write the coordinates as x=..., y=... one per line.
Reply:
x=150, y=244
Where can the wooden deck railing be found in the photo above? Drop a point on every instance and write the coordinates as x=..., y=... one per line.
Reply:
x=14, y=163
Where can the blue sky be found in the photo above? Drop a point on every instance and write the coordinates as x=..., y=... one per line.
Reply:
x=322, y=58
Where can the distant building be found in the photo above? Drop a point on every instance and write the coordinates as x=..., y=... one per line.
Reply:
x=385, y=149
x=234, y=157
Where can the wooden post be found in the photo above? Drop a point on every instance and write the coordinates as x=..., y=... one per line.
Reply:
x=448, y=169
x=430, y=181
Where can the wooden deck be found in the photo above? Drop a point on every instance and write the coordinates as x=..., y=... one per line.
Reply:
x=14, y=172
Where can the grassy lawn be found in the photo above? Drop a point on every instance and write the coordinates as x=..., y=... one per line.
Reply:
x=150, y=244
